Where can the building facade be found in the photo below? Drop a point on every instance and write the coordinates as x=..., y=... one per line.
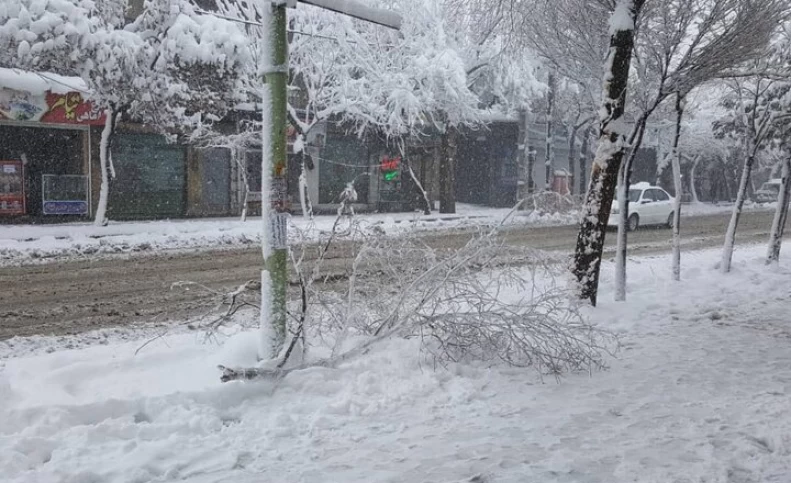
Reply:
x=46, y=134
x=50, y=170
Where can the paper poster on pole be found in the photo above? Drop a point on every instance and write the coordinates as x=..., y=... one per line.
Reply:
x=278, y=230
x=278, y=194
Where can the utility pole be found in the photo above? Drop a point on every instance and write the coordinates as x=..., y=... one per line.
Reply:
x=274, y=210
x=276, y=259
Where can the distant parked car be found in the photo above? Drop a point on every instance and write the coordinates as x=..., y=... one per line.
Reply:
x=648, y=205
x=769, y=191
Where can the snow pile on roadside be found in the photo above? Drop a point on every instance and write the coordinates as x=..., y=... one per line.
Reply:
x=700, y=392
x=700, y=209
x=32, y=243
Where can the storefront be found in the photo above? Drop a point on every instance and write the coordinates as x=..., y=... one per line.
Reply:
x=486, y=165
x=45, y=155
x=209, y=179
x=150, y=177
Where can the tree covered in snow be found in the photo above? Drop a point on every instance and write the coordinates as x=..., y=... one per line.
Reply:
x=700, y=149
x=506, y=75
x=168, y=68
x=760, y=112
x=610, y=150
x=571, y=38
x=682, y=45
x=403, y=84
x=759, y=119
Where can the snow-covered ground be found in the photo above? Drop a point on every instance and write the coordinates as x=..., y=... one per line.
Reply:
x=700, y=392
x=20, y=243
x=41, y=243
x=701, y=209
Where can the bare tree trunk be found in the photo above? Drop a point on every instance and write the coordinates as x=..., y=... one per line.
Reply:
x=531, y=167
x=105, y=160
x=624, y=181
x=447, y=189
x=304, y=195
x=679, y=190
x=692, y=188
x=583, y=160
x=741, y=195
x=243, y=169
x=620, y=250
x=523, y=158
x=572, y=170
x=781, y=215
x=549, y=154
x=609, y=155
x=421, y=191
x=727, y=181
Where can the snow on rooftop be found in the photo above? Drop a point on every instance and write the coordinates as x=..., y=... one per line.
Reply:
x=40, y=82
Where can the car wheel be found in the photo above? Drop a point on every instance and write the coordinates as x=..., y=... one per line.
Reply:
x=670, y=220
x=633, y=222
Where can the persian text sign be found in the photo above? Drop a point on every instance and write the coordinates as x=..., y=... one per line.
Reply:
x=65, y=207
x=69, y=108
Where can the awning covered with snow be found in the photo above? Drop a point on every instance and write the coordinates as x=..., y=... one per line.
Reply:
x=45, y=97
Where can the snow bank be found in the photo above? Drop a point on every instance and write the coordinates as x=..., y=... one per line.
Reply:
x=699, y=209
x=36, y=243
x=700, y=392
x=46, y=243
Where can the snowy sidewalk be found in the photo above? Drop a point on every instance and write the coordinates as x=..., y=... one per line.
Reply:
x=700, y=392
x=42, y=242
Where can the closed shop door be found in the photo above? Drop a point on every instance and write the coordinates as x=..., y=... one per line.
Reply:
x=215, y=183
x=150, y=178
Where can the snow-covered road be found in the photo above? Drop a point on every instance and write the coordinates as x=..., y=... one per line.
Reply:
x=58, y=298
x=25, y=244
x=20, y=244
x=700, y=392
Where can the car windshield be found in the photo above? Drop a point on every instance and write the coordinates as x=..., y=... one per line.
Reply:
x=634, y=195
x=770, y=187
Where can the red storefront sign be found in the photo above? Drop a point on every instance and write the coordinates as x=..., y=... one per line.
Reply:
x=12, y=188
x=51, y=108
x=71, y=108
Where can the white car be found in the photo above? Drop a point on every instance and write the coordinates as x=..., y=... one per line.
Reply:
x=769, y=191
x=648, y=205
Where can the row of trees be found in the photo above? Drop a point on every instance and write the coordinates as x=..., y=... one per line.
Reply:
x=454, y=63
x=664, y=61
x=179, y=67
x=660, y=53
